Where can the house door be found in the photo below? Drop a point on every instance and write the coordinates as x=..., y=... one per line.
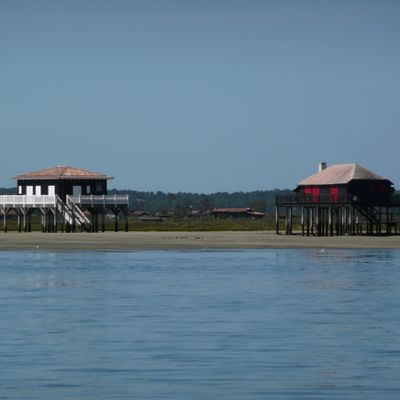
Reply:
x=38, y=190
x=51, y=191
x=76, y=190
x=29, y=190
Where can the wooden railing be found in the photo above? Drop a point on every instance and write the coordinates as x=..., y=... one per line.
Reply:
x=298, y=199
x=395, y=200
x=327, y=199
x=27, y=201
x=99, y=200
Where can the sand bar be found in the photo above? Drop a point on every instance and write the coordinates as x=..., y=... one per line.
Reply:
x=185, y=241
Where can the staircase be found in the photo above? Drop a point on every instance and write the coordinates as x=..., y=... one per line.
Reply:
x=370, y=213
x=73, y=215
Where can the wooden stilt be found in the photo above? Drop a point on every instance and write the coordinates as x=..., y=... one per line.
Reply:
x=5, y=212
x=312, y=212
x=55, y=221
x=116, y=213
x=126, y=219
x=93, y=220
x=387, y=221
x=96, y=221
x=4, y=221
x=62, y=224
x=41, y=218
x=349, y=221
x=277, y=220
x=103, y=220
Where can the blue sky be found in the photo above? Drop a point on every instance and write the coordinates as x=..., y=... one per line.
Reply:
x=199, y=96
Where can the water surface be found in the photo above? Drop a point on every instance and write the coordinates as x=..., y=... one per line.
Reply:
x=279, y=324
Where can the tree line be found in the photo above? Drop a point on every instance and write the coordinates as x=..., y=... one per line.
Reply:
x=183, y=203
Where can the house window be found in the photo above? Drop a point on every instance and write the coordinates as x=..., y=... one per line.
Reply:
x=51, y=191
x=99, y=188
x=88, y=189
x=19, y=189
x=77, y=190
x=38, y=190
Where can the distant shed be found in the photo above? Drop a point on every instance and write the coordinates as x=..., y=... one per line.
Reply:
x=236, y=213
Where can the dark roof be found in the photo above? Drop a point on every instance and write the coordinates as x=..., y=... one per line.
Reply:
x=341, y=174
x=248, y=211
x=232, y=210
x=256, y=213
x=62, y=172
x=149, y=218
x=138, y=213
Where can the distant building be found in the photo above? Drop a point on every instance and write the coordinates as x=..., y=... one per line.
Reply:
x=140, y=213
x=340, y=199
x=197, y=214
x=150, y=218
x=236, y=213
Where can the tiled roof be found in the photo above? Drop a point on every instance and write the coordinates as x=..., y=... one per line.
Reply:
x=62, y=172
x=340, y=174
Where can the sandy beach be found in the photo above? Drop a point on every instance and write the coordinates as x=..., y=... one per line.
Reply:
x=185, y=241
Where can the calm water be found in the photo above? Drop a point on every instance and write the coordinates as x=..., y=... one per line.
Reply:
x=278, y=324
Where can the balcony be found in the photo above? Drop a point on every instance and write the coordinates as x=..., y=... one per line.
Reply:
x=28, y=201
x=335, y=200
x=98, y=201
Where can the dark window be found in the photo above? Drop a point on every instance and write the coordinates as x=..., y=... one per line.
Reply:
x=99, y=188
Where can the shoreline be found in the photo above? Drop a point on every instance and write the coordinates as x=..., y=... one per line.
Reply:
x=227, y=240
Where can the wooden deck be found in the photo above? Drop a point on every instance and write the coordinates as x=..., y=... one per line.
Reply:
x=104, y=200
x=327, y=215
x=77, y=213
x=328, y=200
x=16, y=201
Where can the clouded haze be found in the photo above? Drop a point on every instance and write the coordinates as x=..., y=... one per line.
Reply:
x=199, y=95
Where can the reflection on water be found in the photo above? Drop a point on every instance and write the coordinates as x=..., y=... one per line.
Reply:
x=363, y=269
x=281, y=324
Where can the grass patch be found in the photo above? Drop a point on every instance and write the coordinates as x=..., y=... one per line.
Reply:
x=175, y=224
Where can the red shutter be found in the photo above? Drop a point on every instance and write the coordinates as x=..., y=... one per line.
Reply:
x=307, y=190
x=315, y=194
x=334, y=194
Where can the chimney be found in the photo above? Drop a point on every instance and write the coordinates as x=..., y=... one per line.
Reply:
x=321, y=166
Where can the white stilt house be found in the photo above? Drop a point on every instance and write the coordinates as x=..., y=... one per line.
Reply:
x=67, y=198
